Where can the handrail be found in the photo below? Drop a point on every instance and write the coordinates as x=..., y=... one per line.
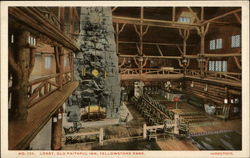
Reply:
x=46, y=78
x=216, y=74
x=44, y=86
x=150, y=71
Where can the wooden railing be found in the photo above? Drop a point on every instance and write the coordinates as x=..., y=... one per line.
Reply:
x=51, y=16
x=162, y=71
x=54, y=20
x=215, y=75
x=224, y=75
x=41, y=88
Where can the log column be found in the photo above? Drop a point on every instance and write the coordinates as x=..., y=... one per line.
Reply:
x=59, y=64
x=117, y=32
x=202, y=61
x=56, y=143
x=141, y=33
x=21, y=62
x=185, y=62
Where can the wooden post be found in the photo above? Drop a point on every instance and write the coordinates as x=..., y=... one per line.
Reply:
x=144, y=131
x=176, y=129
x=57, y=131
x=202, y=13
x=117, y=32
x=101, y=135
x=62, y=17
x=202, y=32
x=184, y=35
x=173, y=14
x=59, y=64
x=71, y=22
x=21, y=62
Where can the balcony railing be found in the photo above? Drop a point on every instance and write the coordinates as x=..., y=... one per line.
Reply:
x=157, y=71
x=233, y=76
x=43, y=87
x=50, y=16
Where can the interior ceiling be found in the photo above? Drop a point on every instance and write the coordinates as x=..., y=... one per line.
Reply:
x=167, y=35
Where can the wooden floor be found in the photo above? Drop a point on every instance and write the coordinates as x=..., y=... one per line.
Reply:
x=21, y=133
x=219, y=125
x=133, y=129
x=175, y=144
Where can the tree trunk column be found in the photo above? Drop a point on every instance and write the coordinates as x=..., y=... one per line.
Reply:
x=20, y=57
x=202, y=32
x=56, y=142
x=59, y=64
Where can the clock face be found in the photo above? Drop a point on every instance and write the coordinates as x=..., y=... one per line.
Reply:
x=95, y=72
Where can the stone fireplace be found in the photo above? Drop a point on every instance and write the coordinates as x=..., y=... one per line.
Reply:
x=96, y=66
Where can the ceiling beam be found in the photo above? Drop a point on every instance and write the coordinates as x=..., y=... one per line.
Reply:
x=114, y=8
x=223, y=55
x=186, y=56
x=154, y=43
x=153, y=57
x=237, y=18
x=221, y=16
x=153, y=22
x=194, y=14
x=34, y=19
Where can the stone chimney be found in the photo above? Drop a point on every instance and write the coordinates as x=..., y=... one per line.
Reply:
x=96, y=66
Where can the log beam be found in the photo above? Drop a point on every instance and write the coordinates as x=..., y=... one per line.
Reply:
x=221, y=16
x=152, y=22
x=194, y=14
x=35, y=19
x=156, y=43
x=155, y=57
x=223, y=55
x=237, y=18
x=118, y=30
x=237, y=63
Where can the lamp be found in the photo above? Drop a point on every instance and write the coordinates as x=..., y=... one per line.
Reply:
x=54, y=119
x=192, y=84
x=225, y=101
x=59, y=116
x=205, y=88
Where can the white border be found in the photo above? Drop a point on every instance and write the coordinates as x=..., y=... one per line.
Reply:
x=149, y=154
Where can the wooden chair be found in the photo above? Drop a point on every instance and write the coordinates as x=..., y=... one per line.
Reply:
x=152, y=134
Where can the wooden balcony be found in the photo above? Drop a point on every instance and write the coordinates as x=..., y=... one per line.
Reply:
x=45, y=98
x=226, y=78
x=43, y=22
x=147, y=74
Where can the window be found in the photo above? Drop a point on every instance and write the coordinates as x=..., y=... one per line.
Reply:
x=212, y=45
x=184, y=19
x=235, y=41
x=215, y=44
x=218, y=43
x=47, y=62
x=217, y=66
x=65, y=61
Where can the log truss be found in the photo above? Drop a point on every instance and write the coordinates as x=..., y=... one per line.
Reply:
x=202, y=27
